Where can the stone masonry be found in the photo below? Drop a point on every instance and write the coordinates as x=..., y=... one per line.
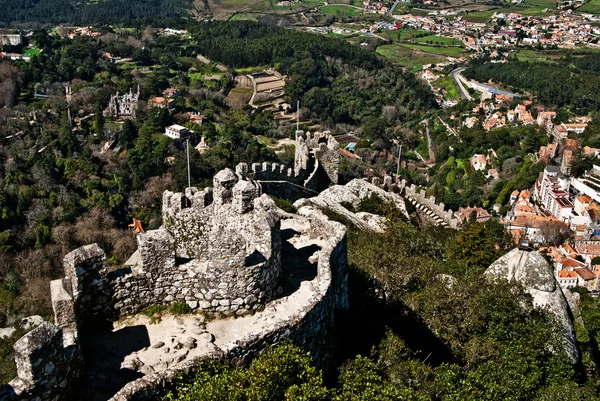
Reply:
x=316, y=167
x=219, y=250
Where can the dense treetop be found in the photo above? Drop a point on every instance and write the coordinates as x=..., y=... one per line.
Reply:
x=44, y=12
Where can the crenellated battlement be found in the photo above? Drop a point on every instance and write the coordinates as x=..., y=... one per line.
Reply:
x=424, y=203
x=316, y=166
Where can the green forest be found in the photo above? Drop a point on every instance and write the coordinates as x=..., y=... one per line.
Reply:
x=574, y=82
x=133, y=12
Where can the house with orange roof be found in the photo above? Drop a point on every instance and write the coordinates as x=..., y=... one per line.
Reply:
x=547, y=152
x=587, y=279
x=514, y=196
x=566, y=279
x=529, y=225
x=545, y=118
x=159, y=102
x=559, y=132
x=569, y=263
x=578, y=128
x=593, y=152
x=565, y=164
x=465, y=214
x=478, y=162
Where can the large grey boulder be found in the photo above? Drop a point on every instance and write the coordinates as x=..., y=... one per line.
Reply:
x=536, y=275
x=353, y=193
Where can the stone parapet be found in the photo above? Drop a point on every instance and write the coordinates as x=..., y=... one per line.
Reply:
x=311, y=325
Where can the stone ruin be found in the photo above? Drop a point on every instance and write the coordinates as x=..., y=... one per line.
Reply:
x=220, y=251
x=316, y=167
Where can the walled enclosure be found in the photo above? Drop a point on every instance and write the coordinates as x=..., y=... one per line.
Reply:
x=219, y=250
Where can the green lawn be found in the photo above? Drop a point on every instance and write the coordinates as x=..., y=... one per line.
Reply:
x=447, y=83
x=593, y=6
x=527, y=7
x=196, y=76
x=31, y=52
x=442, y=40
x=479, y=16
x=442, y=51
x=406, y=56
x=250, y=70
x=341, y=9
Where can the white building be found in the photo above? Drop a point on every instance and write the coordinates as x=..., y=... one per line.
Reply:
x=176, y=131
x=552, y=191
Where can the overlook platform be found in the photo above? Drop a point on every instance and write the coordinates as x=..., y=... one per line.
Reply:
x=137, y=346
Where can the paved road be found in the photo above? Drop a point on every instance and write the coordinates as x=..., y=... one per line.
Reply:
x=463, y=91
x=391, y=10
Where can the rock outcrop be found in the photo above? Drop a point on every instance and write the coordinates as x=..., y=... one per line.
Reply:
x=333, y=198
x=533, y=271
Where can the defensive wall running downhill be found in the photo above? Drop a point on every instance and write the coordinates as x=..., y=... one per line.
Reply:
x=220, y=251
x=435, y=211
x=428, y=205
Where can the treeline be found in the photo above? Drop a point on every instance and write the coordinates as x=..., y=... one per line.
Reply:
x=574, y=82
x=338, y=82
x=132, y=12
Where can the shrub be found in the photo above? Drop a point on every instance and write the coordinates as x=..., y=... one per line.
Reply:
x=284, y=205
x=180, y=308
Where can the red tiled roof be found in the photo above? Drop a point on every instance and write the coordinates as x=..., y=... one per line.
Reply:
x=585, y=274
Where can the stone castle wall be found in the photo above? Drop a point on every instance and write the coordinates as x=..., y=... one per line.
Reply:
x=48, y=361
x=438, y=208
x=219, y=256
x=311, y=327
x=316, y=167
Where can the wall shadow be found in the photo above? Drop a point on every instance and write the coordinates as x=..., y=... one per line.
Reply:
x=103, y=351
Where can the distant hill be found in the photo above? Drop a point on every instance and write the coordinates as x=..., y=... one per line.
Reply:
x=43, y=12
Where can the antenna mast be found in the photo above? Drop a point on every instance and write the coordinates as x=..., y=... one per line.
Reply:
x=298, y=115
x=188, y=162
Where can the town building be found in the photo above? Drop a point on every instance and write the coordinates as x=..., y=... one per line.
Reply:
x=176, y=131
x=552, y=192
x=478, y=162
x=12, y=39
x=466, y=214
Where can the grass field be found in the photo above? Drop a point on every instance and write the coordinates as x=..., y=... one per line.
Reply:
x=538, y=55
x=442, y=40
x=406, y=56
x=593, y=6
x=31, y=52
x=527, y=7
x=441, y=51
x=405, y=34
x=340, y=9
x=447, y=83
x=250, y=70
